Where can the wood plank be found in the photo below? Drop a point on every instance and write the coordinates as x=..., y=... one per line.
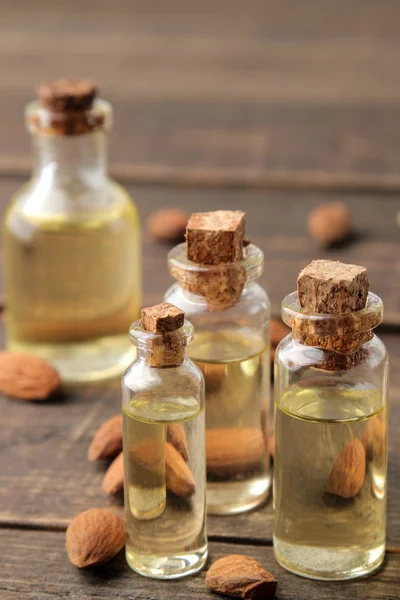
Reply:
x=45, y=478
x=277, y=223
x=243, y=91
x=36, y=568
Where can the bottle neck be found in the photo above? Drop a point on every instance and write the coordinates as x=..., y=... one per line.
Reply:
x=78, y=160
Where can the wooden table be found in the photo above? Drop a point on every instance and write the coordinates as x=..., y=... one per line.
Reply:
x=267, y=106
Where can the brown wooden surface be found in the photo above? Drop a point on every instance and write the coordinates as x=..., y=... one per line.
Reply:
x=27, y=552
x=268, y=106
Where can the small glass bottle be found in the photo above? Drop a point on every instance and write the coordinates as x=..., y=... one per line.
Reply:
x=164, y=449
x=330, y=432
x=231, y=314
x=71, y=241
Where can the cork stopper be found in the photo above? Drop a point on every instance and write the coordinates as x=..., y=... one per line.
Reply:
x=333, y=288
x=215, y=237
x=67, y=95
x=329, y=287
x=67, y=107
x=168, y=349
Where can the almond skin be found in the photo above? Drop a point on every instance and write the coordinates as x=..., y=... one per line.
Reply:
x=27, y=377
x=94, y=536
x=113, y=481
x=177, y=437
x=107, y=441
x=348, y=472
x=329, y=223
x=168, y=225
x=179, y=478
x=374, y=437
x=241, y=577
x=235, y=450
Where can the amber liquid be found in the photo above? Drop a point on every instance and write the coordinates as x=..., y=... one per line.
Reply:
x=318, y=533
x=166, y=535
x=73, y=287
x=236, y=371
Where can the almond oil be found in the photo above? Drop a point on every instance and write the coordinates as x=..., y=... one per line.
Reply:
x=235, y=365
x=72, y=286
x=319, y=533
x=165, y=527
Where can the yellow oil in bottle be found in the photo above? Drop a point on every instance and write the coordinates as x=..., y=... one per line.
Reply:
x=236, y=368
x=319, y=532
x=73, y=285
x=164, y=492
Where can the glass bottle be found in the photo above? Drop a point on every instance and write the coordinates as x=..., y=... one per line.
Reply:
x=164, y=457
x=231, y=347
x=330, y=443
x=71, y=241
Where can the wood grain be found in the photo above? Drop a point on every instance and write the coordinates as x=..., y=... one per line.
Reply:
x=270, y=93
x=37, y=568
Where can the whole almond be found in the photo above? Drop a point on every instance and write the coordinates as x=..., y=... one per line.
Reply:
x=179, y=477
x=94, y=536
x=348, y=472
x=374, y=437
x=329, y=223
x=168, y=225
x=177, y=437
x=241, y=577
x=113, y=481
x=107, y=441
x=234, y=450
x=27, y=377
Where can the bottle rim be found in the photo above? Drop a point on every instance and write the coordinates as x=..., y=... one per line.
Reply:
x=253, y=262
x=355, y=322
x=145, y=339
x=42, y=121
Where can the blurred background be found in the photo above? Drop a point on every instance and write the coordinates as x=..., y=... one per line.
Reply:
x=269, y=106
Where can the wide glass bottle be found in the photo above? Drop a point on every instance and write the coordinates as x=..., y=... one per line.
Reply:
x=330, y=442
x=71, y=242
x=164, y=453
x=231, y=347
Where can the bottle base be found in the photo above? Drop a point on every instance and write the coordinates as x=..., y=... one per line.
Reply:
x=167, y=567
x=329, y=564
x=83, y=362
x=234, y=497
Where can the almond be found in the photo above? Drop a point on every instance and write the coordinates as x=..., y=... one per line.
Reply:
x=107, y=441
x=329, y=223
x=94, y=536
x=241, y=577
x=374, y=437
x=168, y=225
x=179, y=477
x=348, y=472
x=177, y=437
x=27, y=377
x=113, y=481
x=234, y=450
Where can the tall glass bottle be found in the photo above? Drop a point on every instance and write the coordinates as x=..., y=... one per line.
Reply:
x=164, y=455
x=72, y=242
x=330, y=441
x=231, y=347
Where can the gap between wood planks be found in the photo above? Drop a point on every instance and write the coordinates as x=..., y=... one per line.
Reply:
x=233, y=179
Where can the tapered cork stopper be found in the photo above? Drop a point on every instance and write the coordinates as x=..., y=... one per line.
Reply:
x=168, y=349
x=329, y=287
x=215, y=237
x=67, y=95
x=333, y=288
